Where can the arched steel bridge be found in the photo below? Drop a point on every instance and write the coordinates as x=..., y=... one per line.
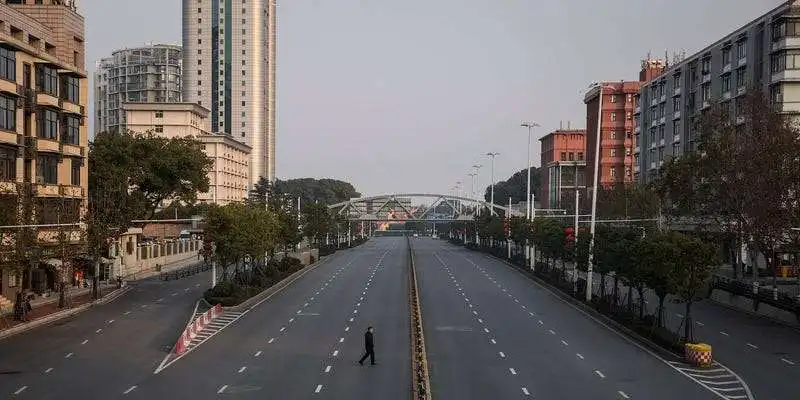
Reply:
x=401, y=207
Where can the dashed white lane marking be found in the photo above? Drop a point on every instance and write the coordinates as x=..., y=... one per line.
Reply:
x=552, y=332
x=623, y=394
x=312, y=298
x=474, y=312
x=723, y=333
x=564, y=342
x=351, y=319
x=258, y=353
x=85, y=341
x=493, y=341
x=126, y=313
x=579, y=355
x=679, y=315
x=525, y=392
x=513, y=371
x=242, y=369
x=299, y=311
x=305, y=305
x=47, y=371
x=20, y=390
x=68, y=355
x=327, y=369
x=186, y=289
x=790, y=362
x=540, y=322
x=752, y=345
x=283, y=329
x=318, y=389
x=358, y=305
x=335, y=353
x=502, y=355
x=222, y=389
x=175, y=294
x=355, y=311
x=99, y=330
x=271, y=340
x=111, y=321
x=291, y=319
x=346, y=328
x=486, y=330
x=130, y=389
x=143, y=306
x=341, y=340
x=700, y=323
x=160, y=300
x=600, y=374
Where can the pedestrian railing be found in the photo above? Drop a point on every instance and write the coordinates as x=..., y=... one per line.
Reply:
x=756, y=292
x=185, y=271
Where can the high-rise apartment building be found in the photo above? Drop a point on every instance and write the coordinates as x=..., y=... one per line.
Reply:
x=43, y=142
x=563, y=166
x=229, y=68
x=149, y=74
x=617, y=142
x=758, y=56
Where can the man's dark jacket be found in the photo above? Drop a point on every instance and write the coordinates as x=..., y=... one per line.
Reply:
x=368, y=341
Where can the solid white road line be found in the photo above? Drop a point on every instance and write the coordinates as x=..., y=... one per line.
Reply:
x=20, y=390
x=130, y=389
x=318, y=389
x=258, y=353
x=623, y=394
x=600, y=374
x=222, y=389
x=327, y=369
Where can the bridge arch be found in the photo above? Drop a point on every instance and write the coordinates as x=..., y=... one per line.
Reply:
x=401, y=207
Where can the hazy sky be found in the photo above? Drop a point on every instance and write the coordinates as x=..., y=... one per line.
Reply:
x=405, y=96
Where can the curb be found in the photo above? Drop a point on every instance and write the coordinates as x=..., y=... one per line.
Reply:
x=610, y=323
x=59, y=315
x=420, y=374
x=278, y=286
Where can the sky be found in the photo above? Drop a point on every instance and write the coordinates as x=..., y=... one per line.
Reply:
x=405, y=96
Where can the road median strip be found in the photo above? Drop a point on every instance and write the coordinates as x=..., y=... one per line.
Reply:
x=420, y=377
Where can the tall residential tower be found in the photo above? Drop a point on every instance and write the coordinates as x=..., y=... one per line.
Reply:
x=139, y=75
x=229, y=68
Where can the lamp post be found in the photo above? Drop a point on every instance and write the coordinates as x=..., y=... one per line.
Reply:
x=491, y=196
x=595, y=184
x=477, y=168
x=528, y=205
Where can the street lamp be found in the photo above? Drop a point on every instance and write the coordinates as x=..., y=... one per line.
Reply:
x=595, y=184
x=491, y=197
x=473, y=175
x=530, y=126
x=477, y=184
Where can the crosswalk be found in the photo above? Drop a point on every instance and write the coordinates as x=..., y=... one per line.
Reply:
x=716, y=378
x=217, y=324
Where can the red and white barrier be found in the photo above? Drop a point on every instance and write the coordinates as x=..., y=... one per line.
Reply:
x=195, y=327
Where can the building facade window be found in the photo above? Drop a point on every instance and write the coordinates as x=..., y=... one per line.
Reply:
x=741, y=49
x=47, y=124
x=160, y=114
x=741, y=77
x=726, y=83
x=726, y=56
x=75, y=171
x=8, y=164
x=8, y=64
x=71, y=89
x=72, y=130
x=47, y=79
x=47, y=169
x=159, y=128
x=8, y=113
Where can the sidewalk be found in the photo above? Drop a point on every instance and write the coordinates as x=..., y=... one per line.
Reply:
x=46, y=310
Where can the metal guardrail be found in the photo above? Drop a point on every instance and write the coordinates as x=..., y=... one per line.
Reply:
x=185, y=271
x=771, y=296
x=420, y=378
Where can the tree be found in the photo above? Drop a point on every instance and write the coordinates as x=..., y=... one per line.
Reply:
x=238, y=230
x=310, y=190
x=316, y=222
x=693, y=270
x=515, y=187
x=657, y=254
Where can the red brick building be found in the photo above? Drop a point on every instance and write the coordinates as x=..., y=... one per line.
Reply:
x=563, y=165
x=617, y=125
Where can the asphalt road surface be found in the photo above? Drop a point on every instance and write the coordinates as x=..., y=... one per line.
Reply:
x=94, y=353
x=305, y=341
x=492, y=333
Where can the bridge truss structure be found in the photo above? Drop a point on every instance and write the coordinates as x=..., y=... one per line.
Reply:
x=420, y=207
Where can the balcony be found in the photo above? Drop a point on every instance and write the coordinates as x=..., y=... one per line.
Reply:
x=654, y=101
x=71, y=150
x=652, y=165
x=739, y=120
x=676, y=92
x=726, y=95
x=9, y=138
x=726, y=68
x=705, y=104
x=637, y=150
x=637, y=130
x=637, y=109
x=661, y=142
x=48, y=145
x=786, y=75
x=661, y=163
x=8, y=87
x=786, y=42
x=636, y=168
x=47, y=190
x=71, y=235
x=653, y=145
x=676, y=115
x=707, y=77
x=676, y=138
x=740, y=90
x=72, y=107
x=742, y=61
x=71, y=191
x=663, y=98
x=662, y=120
x=45, y=99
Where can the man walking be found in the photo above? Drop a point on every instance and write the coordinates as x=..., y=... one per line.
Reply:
x=369, y=347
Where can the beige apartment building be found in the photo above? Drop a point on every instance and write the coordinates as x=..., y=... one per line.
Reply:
x=43, y=142
x=229, y=176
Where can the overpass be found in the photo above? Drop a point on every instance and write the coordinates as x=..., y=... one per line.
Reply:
x=422, y=207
